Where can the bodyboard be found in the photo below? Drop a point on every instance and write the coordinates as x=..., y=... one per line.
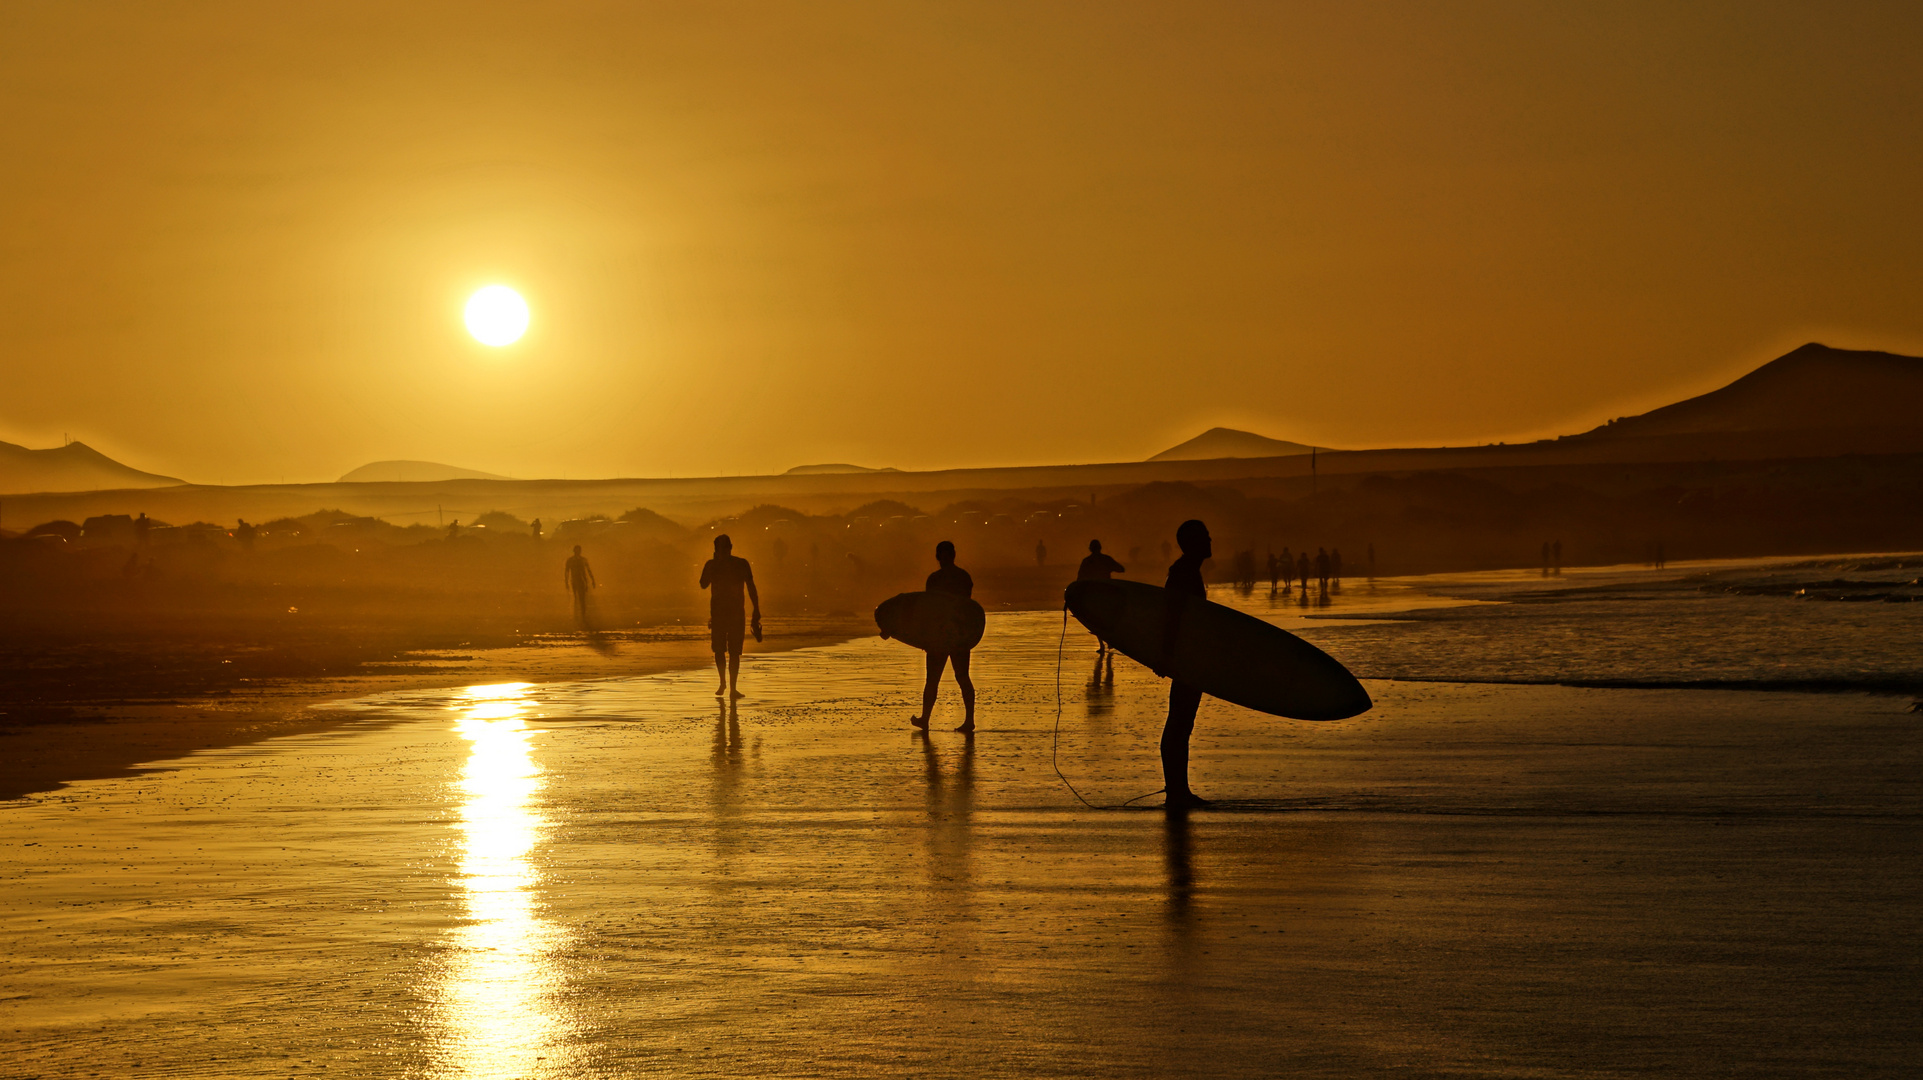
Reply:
x=935, y=622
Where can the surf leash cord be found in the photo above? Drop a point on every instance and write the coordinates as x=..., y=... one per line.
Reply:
x=1055, y=745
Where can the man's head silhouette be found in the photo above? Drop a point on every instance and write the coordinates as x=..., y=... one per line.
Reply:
x=577, y=549
x=723, y=545
x=1193, y=538
x=1095, y=547
x=945, y=552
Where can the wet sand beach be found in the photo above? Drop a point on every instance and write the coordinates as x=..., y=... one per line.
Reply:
x=622, y=877
x=68, y=717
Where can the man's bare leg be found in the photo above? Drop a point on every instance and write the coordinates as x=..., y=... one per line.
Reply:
x=734, y=674
x=936, y=662
x=968, y=692
x=721, y=669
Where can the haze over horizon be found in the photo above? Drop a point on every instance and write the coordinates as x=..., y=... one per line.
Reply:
x=239, y=240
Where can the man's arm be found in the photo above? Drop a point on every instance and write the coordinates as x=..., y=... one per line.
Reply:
x=748, y=576
x=707, y=570
x=592, y=584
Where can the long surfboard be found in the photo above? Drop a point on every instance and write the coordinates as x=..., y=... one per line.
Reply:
x=1228, y=654
x=934, y=622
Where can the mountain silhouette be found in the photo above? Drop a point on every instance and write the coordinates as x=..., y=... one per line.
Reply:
x=1814, y=388
x=73, y=467
x=376, y=472
x=832, y=470
x=1224, y=442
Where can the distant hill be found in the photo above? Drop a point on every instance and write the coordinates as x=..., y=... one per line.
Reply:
x=1814, y=388
x=831, y=470
x=1224, y=442
x=73, y=467
x=379, y=472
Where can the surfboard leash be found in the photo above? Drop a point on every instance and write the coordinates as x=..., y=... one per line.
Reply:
x=1055, y=747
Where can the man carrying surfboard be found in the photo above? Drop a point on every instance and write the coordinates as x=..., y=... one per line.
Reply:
x=952, y=579
x=1184, y=576
x=728, y=574
x=1098, y=567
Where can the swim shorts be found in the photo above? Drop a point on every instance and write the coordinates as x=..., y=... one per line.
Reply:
x=726, y=633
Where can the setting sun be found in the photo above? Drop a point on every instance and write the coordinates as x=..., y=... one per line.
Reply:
x=497, y=316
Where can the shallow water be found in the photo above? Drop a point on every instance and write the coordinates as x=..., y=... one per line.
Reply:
x=1735, y=624
x=623, y=878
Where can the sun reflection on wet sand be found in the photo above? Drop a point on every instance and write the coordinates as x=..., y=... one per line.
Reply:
x=495, y=991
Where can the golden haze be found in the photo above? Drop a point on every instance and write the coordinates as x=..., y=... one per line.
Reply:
x=928, y=236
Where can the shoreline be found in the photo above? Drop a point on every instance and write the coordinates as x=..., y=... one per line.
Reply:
x=92, y=739
x=117, y=713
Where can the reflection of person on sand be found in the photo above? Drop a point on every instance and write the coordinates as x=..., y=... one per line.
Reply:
x=728, y=574
x=579, y=578
x=949, y=578
x=1098, y=567
x=1184, y=576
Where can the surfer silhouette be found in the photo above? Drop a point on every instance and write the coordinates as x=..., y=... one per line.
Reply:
x=579, y=578
x=1098, y=567
x=1184, y=576
x=948, y=578
x=726, y=576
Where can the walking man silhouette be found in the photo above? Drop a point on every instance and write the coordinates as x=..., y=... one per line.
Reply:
x=948, y=578
x=726, y=576
x=579, y=578
x=1098, y=567
x=1184, y=576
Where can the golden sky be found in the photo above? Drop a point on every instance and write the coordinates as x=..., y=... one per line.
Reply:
x=235, y=238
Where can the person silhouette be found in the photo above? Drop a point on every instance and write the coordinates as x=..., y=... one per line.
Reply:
x=1041, y=553
x=1288, y=569
x=1184, y=576
x=948, y=578
x=1555, y=553
x=1322, y=568
x=1098, y=567
x=1335, y=566
x=578, y=576
x=726, y=576
x=537, y=528
x=1302, y=570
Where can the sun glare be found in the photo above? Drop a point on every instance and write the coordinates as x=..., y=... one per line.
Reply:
x=497, y=316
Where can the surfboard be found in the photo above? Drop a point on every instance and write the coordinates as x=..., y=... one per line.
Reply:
x=932, y=621
x=1229, y=654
